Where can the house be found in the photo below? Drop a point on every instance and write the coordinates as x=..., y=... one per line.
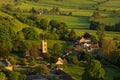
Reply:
x=6, y=64
x=58, y=64
x=59, y=61
x=84, y=40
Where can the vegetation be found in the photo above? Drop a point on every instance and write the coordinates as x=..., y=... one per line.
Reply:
x=62, y=23
x=94, y=71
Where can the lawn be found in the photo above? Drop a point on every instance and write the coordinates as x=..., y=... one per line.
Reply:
x=76, y=71
x=72, y=21
x=52, y=42
x=108, y=34
x=70, y=3
x=111, y=5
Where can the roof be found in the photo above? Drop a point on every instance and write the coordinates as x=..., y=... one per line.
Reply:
x=83, y=40
x=60, y=61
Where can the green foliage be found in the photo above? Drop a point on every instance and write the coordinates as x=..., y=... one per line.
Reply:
x=94, y=71
x=59, y=28
x=42, y=69
x=57, y=47
x=12, y=60
x=30, y=33
x=100, y=33
x=20, y=35
x=44, y=24
x=7, y=35
x=73, y=59
x=4, y=51
x=2, y=76
x=19, y=46
x=72, y=35
x=107, y=47
x=12, y=75
x=86, y=56
x=114, y=57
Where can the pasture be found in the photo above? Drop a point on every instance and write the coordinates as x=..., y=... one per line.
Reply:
x=76, y=72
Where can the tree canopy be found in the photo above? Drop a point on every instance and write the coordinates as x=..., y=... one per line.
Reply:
x=94, y=71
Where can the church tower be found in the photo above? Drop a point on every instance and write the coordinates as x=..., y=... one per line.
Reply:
x=44, y=46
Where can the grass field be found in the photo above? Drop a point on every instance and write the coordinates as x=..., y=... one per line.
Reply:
x=111, y=5
x=71, y=4
x=76, y=71
x=81, y=11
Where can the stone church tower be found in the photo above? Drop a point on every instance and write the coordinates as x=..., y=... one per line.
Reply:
x=44, y=46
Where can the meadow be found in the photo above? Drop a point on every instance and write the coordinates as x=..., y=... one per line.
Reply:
x=76, y=72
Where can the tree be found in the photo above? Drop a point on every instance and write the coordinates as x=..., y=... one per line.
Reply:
x=94, y=71
x=20, y=36
x=33, y=10
x=19, y=46
x=100, y=33
x=2, y=76
x=108, y=45
x=57, y=47
x=86, y=56
x=4, y=52
x=12, y=75
x=7, y=35
x=86, y=35
x=72, y=35
x=30, y=33
x=44, y=24
x=115, y=57
x=42, y=69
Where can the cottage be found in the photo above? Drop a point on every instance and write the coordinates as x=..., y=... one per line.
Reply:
x=60, y=61
x=84, y=40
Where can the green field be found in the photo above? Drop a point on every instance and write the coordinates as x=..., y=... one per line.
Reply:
x=76, y=71
x=111, y=5
x=81, y=11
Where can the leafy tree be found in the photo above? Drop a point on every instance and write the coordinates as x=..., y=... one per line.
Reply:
x=73, y=59
x=2, y=76
x=115, y=57
x=86, y=56
x=7, y=35
x=12, y=75
x=44, y=24
x=42, y=69
x=107, y=47
x=57, y=47
x=94, y=71
x=34, y=50
x=86, y=35
x=19, y=46
x=33, y=10
x=53, y=24
x=4, y=52
x=93, y=39
x=100, y=33
x=30, y=33
x=20, y=36
x=12, y=60
x=72, y=35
